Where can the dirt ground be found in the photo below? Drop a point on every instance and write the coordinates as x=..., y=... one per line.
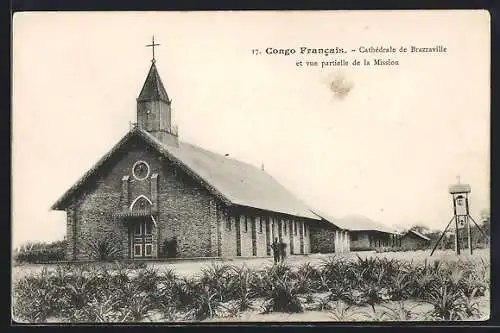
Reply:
x=190, y=268
x=355, y=313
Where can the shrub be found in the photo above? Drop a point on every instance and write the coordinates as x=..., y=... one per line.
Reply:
x=280, y=290
x=138, y=306
x=206, y=303
x=103, y=247
x=340, y=312
x=146, y=280
x=101, y=312
x=99, y=292
x=470, y=305
x=33, y=300
x=165, y=297
x=33, y=253
x=400, y=312
x=399, y=285
x=323, y=303
x=184, y=291
x=242, y=287
x=283, y=297
x=336, y=275
x=447, y=302
x=169, y=249
x=308, y=278
x=217, y=278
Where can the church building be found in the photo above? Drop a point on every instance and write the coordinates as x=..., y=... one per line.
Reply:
x=154, y=196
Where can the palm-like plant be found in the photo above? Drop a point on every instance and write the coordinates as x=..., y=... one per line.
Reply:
x=308, y=278
x=470, y=305
x=206, y=303
x=147, y=280
x=399, y=286
x=447, y=302
x=103, y=247
x=400, y=312
x=324, y=303
x=283, y=296
x=101, y=312
x=138, y=306
x=242, y=287
x=217, y=278
x=340, y=312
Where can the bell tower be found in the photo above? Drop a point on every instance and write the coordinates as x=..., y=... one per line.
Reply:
x=154, y=113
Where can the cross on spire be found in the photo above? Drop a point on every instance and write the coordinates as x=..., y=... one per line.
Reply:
x=153, y=46
x=458, y=179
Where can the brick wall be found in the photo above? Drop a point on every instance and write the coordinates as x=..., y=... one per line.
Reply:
x=229, y=233
x=307, y=238
x=70, y=233
x=285, y=234
x=246, y=235
x=369, y=240
x=188, y=212
x=342, y=241
x=186, y=209
x=412, y=242
x=322, y=238
x=300, y=232
x=275, y=228
x=93, y=220
x=297, y=235
x=269, y=238
x=360, y=241
x=261, y=236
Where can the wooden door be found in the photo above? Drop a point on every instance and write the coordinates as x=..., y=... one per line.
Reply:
x=142, y=238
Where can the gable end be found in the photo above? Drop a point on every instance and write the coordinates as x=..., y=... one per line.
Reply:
x=63, y=202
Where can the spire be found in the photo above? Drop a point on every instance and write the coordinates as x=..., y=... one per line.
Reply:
x=154, y=113
x=153, y=88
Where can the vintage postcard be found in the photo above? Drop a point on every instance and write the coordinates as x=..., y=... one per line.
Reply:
x=263, y=166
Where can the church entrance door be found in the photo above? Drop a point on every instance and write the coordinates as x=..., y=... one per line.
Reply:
x=142, y=238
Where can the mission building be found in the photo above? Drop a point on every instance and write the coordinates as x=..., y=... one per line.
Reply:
x=153, y=195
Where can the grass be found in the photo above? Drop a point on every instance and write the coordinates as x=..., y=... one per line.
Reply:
x=355, y=288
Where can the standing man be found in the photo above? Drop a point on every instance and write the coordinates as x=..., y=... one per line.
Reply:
x=282, y=251
x=276, y=250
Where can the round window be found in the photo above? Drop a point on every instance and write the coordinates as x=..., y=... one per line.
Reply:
x=140, y=170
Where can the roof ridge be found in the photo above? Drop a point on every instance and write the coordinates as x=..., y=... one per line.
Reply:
x=225, y=157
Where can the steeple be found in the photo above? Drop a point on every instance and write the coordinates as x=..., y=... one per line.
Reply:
x=153, y=89
x=154, y=106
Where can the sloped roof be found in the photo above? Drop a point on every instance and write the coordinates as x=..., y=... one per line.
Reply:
x=328, y=218
x=361, y=223
x=233, y=181
x=418, y=234
x=153, y=88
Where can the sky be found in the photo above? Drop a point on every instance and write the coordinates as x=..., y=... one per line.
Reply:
x=387, y=149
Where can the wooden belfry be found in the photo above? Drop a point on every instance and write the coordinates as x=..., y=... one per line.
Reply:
x=460, y=195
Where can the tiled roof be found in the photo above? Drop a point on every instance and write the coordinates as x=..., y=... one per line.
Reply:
x=233, y=181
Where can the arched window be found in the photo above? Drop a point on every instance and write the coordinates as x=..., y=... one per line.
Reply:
x=141, y=202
